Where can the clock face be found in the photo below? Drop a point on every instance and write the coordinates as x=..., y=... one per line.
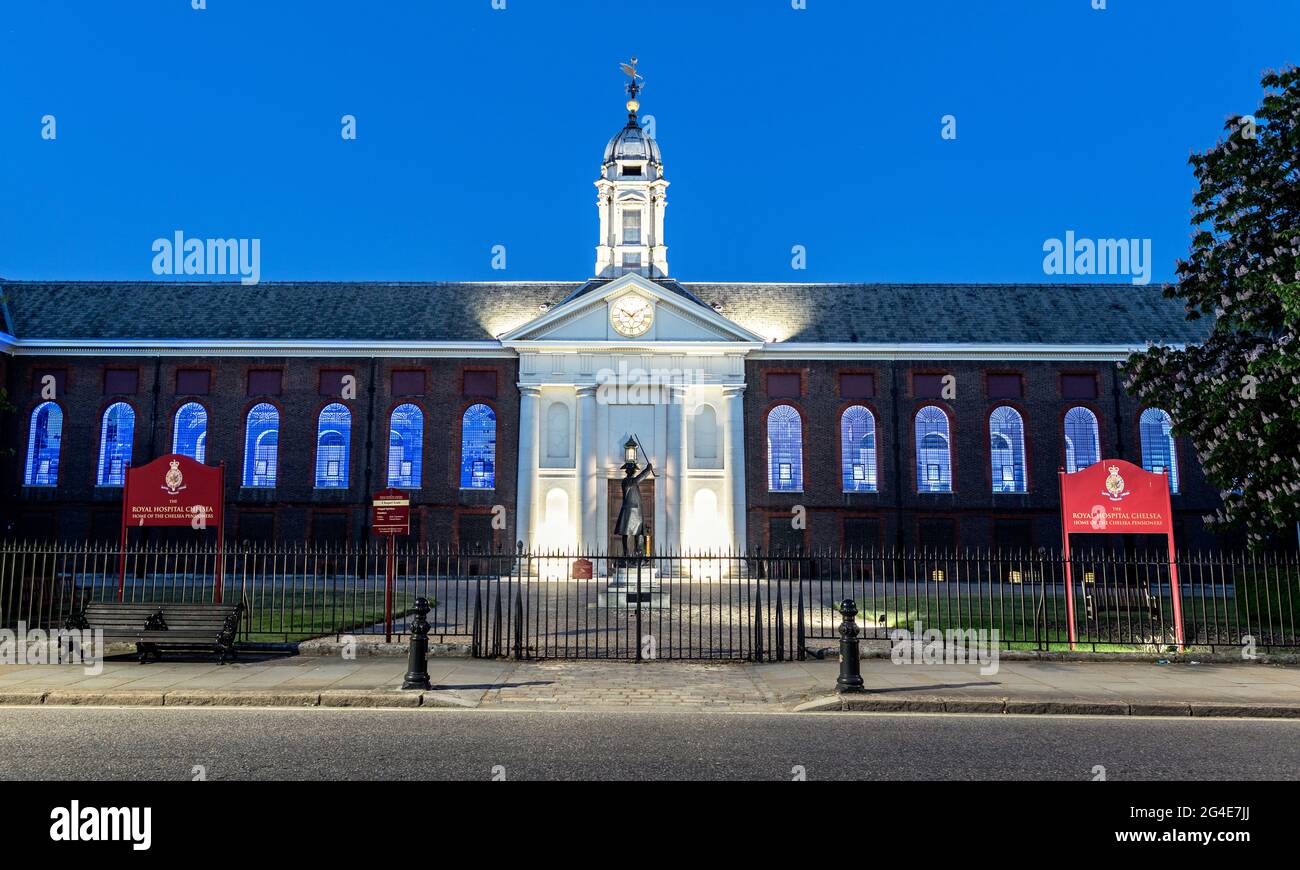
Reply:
x=631, y=316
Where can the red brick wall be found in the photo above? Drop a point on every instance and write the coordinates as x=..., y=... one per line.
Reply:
x=972, y=504
x=73, y=506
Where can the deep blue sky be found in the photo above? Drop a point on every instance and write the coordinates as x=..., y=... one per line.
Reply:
x=480, y=127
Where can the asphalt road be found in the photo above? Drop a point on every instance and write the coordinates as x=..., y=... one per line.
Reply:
x=327, y=744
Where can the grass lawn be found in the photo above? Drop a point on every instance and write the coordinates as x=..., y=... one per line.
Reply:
x=1024, y=622
x=296, y=616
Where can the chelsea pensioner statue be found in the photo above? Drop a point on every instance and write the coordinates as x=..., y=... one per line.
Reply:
x=631, y=517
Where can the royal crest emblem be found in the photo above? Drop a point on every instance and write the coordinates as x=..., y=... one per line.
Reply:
x=1115, y=485
x=174, y=481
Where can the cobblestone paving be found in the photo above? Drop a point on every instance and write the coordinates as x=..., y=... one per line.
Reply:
x=622, y=685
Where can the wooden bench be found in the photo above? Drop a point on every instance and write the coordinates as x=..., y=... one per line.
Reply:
x=1122, y=598
x=153, y=627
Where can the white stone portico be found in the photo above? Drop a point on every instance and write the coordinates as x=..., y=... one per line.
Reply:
x=585, y=388
x=631, y=353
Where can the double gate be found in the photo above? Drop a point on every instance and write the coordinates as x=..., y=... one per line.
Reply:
x=697, y=608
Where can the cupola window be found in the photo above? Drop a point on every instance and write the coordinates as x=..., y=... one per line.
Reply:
x=632, y=227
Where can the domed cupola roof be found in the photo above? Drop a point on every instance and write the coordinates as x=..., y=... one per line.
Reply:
x=632, y=143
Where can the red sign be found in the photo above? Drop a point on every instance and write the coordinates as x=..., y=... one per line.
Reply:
x=1115, y=497
x=390, y=516
x=1119, y=498
x=390, y=513
x=174, y=490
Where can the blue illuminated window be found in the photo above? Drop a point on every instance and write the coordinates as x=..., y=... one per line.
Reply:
x=261, y=445
x=1082, y=443
x=333, y=440
x=933, y=451
x=1007, y=449
x=190, y=431
x=478, y=448
x=784, y=450
x=43, y=442
x=858, y=449
x=405, y=447
x=1159, y=452
x=115, y=436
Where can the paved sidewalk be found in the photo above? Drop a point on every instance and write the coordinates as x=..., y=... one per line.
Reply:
x=1119, y=688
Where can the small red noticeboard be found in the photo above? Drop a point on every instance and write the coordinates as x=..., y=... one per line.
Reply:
x=390, y=513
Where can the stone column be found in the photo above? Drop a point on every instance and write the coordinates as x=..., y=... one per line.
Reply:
x=585, y=468
x=675, y=470
x=733, y=458
x=662, y=506
x=683, y=464
x=659, y=251
x=529, y=399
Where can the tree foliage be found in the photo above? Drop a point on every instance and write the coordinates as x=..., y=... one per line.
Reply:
x=1237, y=394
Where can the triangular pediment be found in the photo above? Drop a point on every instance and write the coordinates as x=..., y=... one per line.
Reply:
x=672, y=315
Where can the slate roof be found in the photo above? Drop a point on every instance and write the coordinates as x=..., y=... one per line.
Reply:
x=1068, y=314
x=958, y=313
x=342, y=311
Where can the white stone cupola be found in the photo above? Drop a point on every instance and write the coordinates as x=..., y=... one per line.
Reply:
x=631, y=197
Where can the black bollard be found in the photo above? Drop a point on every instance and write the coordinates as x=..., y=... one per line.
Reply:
x=850, y=678
x=417, y=660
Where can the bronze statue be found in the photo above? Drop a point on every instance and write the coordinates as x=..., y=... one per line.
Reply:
x=631, y=517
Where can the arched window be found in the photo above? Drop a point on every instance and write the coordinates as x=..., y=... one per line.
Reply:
x=405, y=447
x=333, y=446
x=478, y=448
x=43, y=441
x=1007, y=449
x=704, y=444
x=115, y=436
x=1159, y=452
x=261, y=445
x=557, y=431
x=190, y=431
x=858, y=449
x=1082, y=444
x=784, y=450
x=933, y=451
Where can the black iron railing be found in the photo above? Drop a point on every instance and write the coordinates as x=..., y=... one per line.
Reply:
x=723, y=606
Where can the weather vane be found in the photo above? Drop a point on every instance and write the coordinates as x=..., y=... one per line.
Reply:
x=634, y=86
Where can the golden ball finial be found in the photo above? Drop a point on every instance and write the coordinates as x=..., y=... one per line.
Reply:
x=633, y=106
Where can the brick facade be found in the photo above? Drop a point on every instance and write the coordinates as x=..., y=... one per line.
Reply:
x=895, y=515
x=900, y=516
x=294, y=509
